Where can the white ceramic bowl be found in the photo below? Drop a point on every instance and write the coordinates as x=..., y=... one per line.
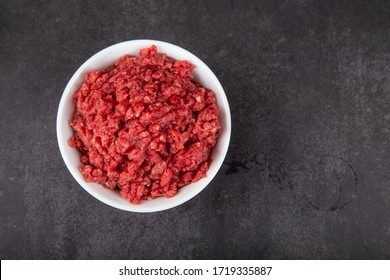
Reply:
x=107, y=57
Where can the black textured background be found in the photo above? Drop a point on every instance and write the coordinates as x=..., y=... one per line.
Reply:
x=308, y=170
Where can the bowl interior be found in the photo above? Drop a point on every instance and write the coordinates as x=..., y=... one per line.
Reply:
x=106, y=58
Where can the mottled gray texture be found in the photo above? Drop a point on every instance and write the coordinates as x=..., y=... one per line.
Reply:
x=308, y=170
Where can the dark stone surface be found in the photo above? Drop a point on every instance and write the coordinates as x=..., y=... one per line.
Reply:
x=308, y=170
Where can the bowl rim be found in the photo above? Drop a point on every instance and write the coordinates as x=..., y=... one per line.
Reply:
x=61, y=140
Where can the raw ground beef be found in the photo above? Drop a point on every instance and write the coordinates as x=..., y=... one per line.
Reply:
x=144, y=127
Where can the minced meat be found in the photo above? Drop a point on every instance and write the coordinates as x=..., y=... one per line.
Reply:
x=144, y=127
